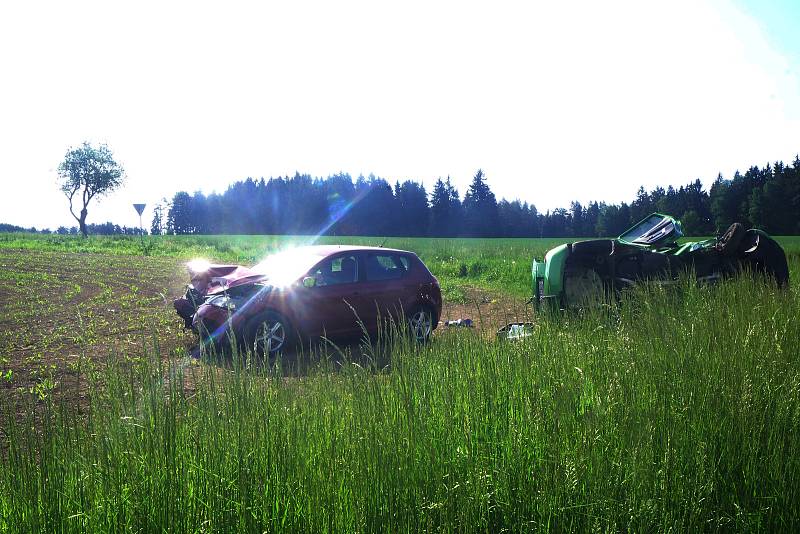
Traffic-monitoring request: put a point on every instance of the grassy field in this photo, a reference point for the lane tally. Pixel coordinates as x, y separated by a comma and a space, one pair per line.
502, 264
677, 409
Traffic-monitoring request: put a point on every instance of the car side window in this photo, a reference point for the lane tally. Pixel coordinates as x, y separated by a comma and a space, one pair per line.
385, 267
339, 270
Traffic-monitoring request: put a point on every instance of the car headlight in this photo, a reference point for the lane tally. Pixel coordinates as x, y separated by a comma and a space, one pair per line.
222, 301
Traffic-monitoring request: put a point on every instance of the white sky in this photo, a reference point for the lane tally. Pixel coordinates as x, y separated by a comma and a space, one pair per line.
556, 101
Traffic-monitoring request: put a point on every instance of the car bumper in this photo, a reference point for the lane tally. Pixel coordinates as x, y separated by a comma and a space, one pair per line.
213, 324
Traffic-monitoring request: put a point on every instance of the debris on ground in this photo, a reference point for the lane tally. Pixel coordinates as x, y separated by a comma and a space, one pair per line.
515, 331
466, 323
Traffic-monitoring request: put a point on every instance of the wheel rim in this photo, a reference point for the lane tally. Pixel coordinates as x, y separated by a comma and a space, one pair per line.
421, 323
270, 337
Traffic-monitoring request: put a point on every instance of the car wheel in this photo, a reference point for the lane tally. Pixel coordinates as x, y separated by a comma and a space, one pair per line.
267, 335
766, 256
583, 287
420, 323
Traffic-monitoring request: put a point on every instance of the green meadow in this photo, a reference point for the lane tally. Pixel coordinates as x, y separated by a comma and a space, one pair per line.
675, 409
501, 264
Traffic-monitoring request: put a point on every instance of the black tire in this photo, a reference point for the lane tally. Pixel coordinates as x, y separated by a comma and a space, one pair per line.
749, 243
766, 256
420, 323
267, 335
728, 244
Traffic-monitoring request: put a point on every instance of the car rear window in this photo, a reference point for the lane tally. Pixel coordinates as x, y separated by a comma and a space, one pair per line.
386, 266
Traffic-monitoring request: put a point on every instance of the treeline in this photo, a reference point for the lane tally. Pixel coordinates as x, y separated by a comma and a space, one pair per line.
766, 198
107, 228
4, 227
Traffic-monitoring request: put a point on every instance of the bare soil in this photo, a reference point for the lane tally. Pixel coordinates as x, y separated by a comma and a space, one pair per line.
62, 313
488, 311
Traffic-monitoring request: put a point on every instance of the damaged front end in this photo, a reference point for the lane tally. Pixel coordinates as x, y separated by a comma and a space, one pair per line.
215, 294
186, 306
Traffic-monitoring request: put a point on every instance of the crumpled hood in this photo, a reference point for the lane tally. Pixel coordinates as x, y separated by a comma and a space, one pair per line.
217, 278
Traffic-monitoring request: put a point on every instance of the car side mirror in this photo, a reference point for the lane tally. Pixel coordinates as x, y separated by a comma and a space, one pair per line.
309, 281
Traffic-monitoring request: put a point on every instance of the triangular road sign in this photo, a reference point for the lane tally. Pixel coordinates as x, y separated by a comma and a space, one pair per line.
139, 208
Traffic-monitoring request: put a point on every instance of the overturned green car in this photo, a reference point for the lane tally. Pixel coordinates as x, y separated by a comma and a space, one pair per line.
575, 273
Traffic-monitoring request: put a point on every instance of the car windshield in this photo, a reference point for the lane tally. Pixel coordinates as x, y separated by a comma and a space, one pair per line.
285, 267
652, 230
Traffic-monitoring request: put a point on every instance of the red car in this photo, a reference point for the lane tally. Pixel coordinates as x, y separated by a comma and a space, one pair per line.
308, 292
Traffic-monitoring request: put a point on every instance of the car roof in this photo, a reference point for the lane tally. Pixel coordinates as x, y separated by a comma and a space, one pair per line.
327, 250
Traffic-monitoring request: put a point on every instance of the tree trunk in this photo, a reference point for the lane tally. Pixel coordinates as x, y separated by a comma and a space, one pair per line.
82, 223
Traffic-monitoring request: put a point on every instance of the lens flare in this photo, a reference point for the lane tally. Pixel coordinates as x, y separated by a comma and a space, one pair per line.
287, 266
340, 208
198, 265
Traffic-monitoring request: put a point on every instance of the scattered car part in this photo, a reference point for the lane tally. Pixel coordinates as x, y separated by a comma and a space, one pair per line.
466, 323
515, 331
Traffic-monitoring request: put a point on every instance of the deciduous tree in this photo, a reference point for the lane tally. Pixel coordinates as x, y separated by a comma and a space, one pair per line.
85, 173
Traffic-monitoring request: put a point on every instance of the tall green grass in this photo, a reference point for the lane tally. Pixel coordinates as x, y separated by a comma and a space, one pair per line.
679, 410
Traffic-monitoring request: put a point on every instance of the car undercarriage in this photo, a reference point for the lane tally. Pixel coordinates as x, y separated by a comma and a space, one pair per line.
574, 273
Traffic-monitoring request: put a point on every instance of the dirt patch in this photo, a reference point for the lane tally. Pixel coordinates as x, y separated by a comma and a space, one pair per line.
488, 311
63, 313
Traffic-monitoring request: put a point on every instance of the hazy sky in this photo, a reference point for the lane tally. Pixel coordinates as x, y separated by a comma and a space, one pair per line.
556, 101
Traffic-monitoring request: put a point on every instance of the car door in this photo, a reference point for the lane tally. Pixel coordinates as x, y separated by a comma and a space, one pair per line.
386, 290
326, 307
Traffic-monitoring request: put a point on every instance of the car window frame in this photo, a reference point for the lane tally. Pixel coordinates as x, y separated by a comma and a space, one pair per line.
334, 257
405, 270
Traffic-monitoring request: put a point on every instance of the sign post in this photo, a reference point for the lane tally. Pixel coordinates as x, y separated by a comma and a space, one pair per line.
139, 209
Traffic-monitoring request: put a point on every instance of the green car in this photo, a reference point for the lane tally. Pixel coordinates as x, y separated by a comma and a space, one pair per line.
574, 273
